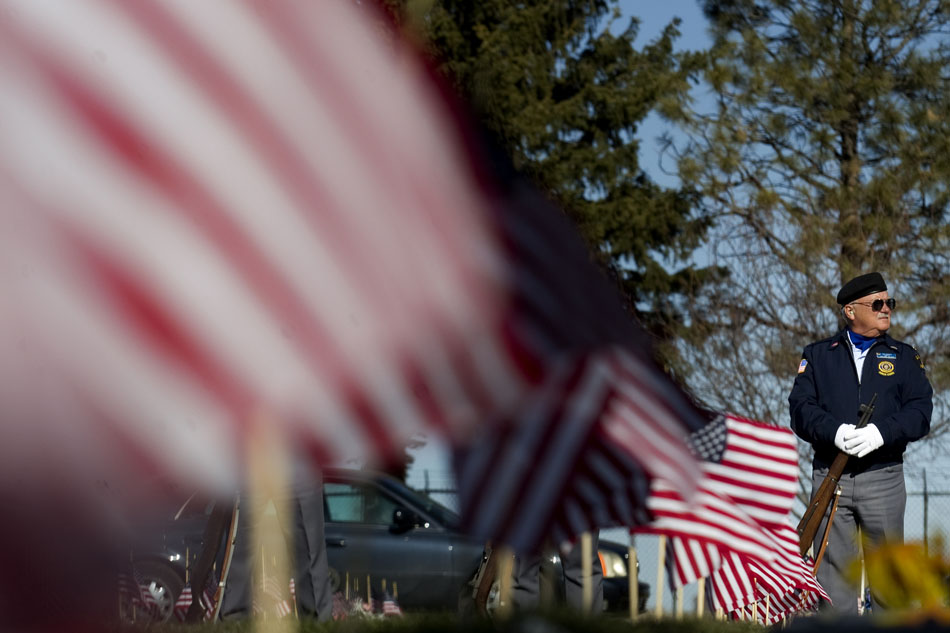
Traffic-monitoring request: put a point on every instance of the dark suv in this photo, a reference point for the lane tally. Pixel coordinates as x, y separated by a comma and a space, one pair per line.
378, 529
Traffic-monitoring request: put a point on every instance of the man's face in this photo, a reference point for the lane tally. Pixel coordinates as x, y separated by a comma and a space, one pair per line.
864, 320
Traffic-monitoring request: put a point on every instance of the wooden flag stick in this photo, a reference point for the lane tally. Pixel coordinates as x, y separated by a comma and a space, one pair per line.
506, 566
587, 563
268, 482
678, 592
864, 578
633, 577
700, 596
660, 568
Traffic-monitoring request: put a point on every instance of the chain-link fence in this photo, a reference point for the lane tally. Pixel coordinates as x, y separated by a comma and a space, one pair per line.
927, 517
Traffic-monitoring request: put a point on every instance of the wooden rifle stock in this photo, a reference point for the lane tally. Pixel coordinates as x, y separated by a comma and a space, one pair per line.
808, 526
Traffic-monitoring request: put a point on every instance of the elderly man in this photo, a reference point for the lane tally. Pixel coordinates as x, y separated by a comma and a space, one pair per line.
835, 377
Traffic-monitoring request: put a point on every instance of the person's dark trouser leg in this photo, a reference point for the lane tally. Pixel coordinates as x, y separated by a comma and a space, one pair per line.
526, 582
880, 498
236, 601
842, 547
311, 570
574, 577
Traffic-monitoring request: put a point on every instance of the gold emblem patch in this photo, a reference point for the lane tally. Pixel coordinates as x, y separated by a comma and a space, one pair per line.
885, 368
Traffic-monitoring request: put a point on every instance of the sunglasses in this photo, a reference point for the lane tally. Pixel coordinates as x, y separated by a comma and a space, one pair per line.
878, 304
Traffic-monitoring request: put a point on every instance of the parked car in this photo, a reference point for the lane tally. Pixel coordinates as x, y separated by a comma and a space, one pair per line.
377, 529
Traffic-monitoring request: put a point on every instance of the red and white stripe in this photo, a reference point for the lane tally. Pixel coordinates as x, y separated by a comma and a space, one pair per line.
214, 243
777, 608
580, 457
730, 493
391, 607
185, 598
741, 538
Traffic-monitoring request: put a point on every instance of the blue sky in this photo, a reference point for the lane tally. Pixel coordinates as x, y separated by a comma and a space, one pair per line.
654, 16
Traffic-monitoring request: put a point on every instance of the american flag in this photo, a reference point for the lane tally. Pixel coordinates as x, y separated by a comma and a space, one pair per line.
390, 606
750, 477
788, 583
274, 591
134, 592
745, 484
777, 608
221, 212
183, 602
580, 457
185, 598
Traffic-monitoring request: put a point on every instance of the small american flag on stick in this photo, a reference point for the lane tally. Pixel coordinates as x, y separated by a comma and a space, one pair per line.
750, 477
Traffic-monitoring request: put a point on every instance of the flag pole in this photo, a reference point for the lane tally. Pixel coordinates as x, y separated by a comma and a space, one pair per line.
587, 563
268, 481
633, 576
864, 578
660, 565
506, 566
700, 596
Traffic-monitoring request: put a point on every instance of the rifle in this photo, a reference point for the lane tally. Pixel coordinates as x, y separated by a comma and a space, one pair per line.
485, 577
808, 526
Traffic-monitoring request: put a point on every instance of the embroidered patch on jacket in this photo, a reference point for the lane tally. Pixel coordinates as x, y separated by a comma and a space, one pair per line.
802, 365
887, 355
885, 368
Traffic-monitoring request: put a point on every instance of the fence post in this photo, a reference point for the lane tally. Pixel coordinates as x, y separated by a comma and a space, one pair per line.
926, 534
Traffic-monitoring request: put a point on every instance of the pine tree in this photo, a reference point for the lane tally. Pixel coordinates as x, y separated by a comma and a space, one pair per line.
561, 86
825, 154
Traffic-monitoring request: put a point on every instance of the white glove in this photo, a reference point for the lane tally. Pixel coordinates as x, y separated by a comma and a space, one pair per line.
860, 442
839, 436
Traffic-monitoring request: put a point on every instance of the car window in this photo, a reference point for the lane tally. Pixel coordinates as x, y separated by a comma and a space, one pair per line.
357, 503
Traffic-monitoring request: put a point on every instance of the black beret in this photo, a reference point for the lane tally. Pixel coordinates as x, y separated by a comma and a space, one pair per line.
861, 286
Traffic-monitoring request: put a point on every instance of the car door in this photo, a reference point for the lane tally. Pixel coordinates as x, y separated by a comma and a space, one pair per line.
364, 546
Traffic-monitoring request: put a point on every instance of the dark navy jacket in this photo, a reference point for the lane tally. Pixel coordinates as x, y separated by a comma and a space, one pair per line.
826, 394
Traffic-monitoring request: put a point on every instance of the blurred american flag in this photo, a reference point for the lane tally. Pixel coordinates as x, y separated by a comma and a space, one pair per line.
210, 210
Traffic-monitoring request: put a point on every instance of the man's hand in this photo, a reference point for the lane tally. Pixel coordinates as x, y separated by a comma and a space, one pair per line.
860, 442
840, 435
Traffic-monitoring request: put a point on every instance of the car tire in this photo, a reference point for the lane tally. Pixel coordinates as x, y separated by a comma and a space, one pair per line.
163, 585
336, 582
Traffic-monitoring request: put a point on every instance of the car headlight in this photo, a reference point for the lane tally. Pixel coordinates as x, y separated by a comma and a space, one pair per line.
613, 564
